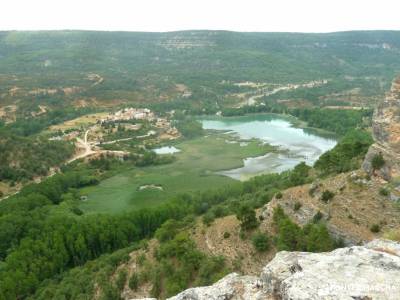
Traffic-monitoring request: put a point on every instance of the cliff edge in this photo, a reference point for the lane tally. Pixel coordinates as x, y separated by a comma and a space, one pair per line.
364, 272
386, 134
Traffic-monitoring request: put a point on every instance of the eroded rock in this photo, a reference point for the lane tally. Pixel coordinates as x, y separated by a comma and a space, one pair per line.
386, 134
371, 271
232, 286
359, 272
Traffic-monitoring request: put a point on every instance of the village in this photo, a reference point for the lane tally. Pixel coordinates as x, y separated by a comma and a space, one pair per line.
103, 133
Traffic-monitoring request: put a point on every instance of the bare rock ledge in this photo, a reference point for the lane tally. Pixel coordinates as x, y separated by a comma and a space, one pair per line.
364, 272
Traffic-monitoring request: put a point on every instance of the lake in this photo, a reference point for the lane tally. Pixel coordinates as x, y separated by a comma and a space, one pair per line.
295, 144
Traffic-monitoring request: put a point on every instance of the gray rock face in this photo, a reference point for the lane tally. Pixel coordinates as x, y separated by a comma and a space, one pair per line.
232, 286
360, 272
365, 272
386, 134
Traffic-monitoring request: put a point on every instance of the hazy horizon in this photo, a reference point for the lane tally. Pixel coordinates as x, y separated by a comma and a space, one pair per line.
183, 30
307, 16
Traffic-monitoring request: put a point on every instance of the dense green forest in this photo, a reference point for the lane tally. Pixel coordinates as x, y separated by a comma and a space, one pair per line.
25, 154
338, 121
36, 245
347, 155
24, 158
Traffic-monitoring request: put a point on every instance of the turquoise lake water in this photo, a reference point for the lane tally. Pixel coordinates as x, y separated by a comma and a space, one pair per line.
296, 144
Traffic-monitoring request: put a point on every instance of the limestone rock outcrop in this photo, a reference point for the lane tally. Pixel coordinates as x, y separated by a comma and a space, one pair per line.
231, 286
365, 272
386, 134
359, 272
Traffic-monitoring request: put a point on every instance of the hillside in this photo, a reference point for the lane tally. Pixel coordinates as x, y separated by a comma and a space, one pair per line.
257, 227
298, 276
223, 247
142, 164
58, 68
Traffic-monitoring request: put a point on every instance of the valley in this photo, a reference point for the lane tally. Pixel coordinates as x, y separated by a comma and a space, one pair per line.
204, 162
136, 164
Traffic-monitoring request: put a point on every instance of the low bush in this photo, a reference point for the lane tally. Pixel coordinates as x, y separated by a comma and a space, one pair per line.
375, 228
383, 192
297, 206
260, 242
377, 161
134, 282
327, 195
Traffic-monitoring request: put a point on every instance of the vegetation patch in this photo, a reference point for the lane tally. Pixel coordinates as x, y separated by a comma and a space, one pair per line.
193, 169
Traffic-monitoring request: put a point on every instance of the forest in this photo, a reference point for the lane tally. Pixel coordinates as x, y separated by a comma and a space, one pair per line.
52, 248
36, 246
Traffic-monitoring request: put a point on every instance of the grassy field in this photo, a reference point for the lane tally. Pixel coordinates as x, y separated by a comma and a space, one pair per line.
192, 171
78, 122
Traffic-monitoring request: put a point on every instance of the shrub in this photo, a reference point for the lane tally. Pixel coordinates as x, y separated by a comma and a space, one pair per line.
346, 155
156, 285
247, 217
317, 238
299, 175
383, 192
167, 231
377, 161
297, 206
134, 282
77, 211
327, 195
290, 236
109, 292
208, 218
141, 259
219, 211
121, 279
318, 217
211, 270
375, 228
278, 195
260, 242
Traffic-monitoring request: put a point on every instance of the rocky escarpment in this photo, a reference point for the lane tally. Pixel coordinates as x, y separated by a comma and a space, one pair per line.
356, 206
371, 271
386, 134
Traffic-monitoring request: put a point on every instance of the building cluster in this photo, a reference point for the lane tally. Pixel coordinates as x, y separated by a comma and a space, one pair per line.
163, 129
168, 132
70, 136
130, 114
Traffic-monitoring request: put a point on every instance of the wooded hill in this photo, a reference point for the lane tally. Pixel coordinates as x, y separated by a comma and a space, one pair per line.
145, 67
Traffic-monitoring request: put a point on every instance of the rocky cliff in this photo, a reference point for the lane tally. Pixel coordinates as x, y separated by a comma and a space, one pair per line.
386, 134
365, 272
357, 205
